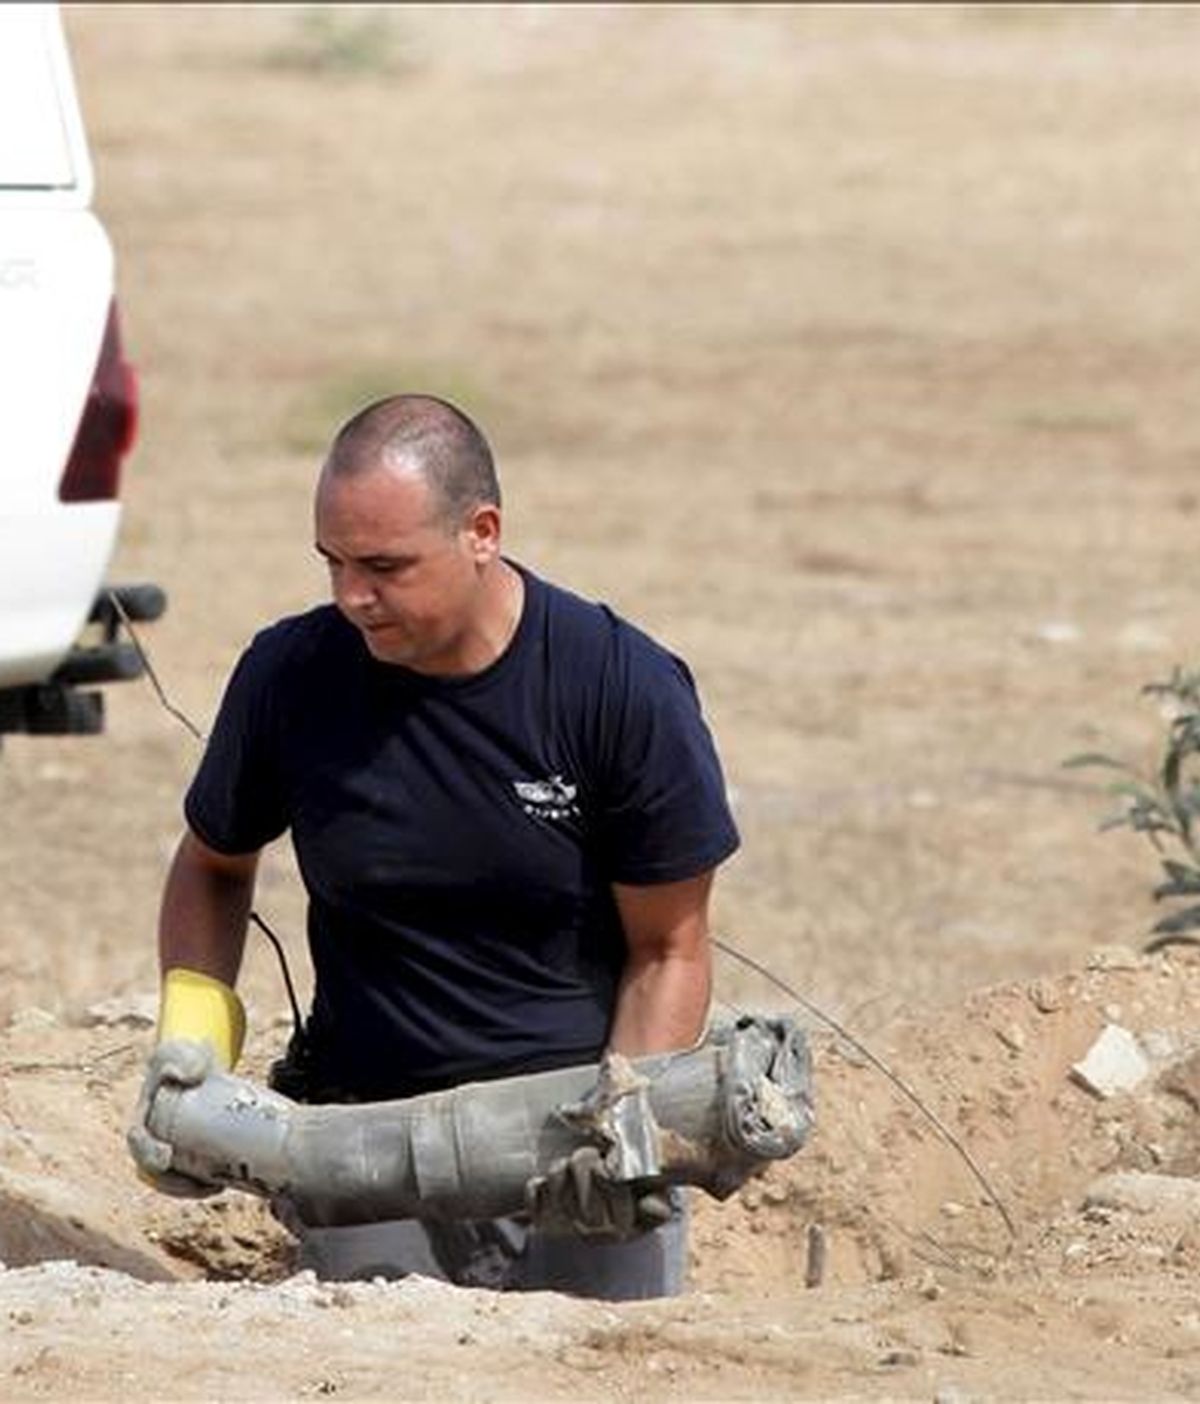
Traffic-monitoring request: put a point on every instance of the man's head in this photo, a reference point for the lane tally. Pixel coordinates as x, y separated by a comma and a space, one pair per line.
425, 435
408, 520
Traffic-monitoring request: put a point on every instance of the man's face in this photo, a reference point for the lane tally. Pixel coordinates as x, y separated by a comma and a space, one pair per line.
407, 581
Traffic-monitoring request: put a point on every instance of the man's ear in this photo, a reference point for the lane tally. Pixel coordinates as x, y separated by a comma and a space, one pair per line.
483, 532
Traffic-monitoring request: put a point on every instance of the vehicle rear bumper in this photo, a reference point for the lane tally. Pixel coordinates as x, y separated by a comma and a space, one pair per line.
54, 564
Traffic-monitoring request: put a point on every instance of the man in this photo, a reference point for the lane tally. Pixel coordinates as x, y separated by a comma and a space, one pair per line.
506, 809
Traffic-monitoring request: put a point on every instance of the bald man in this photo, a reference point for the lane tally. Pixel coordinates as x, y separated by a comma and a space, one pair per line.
507, 811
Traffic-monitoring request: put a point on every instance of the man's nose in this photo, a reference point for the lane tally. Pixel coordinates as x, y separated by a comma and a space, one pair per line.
355, 589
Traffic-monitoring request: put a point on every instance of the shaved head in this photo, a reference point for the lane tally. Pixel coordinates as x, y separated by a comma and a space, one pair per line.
425, 435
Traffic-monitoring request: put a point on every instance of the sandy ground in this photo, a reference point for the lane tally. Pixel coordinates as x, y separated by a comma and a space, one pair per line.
851, 351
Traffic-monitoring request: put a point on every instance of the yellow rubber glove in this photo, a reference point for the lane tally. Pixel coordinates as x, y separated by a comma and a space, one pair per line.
202, 1009
201, 1025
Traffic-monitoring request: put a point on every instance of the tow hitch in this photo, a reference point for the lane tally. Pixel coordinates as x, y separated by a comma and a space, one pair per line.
60, 706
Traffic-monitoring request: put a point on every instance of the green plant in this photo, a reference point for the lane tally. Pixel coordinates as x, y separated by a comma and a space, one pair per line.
330, 39
1165, 805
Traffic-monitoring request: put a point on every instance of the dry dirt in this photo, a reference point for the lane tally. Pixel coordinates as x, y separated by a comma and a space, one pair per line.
852, 351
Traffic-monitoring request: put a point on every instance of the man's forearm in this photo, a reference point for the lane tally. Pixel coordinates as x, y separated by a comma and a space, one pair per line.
662, 1004
662, 1001
205, 906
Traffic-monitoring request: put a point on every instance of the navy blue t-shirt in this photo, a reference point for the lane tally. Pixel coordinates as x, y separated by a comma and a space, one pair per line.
458, 838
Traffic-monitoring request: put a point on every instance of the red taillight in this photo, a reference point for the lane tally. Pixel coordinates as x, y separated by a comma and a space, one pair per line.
107, 427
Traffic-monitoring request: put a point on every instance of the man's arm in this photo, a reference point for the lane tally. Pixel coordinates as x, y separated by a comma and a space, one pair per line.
662, 1001
662, 1005
205, 908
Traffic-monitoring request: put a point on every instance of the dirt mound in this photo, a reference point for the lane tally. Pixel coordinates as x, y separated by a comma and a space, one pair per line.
890, 1195
909, 1257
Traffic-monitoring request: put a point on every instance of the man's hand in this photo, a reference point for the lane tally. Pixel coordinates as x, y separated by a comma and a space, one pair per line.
201, 1025
579, 1195
178, 1062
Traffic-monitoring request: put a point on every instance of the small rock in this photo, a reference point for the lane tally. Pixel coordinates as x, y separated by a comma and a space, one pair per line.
1182, 1079
130, 1011
32, 1018
1186, 1251
1166, 1196
1012, 1036
1114, 1063
893, 1358
950, 1394
1045, 996
953, 1210
1114, 958
958, 1341
1056, 631
1159, 1045
583, 1357
817, 1247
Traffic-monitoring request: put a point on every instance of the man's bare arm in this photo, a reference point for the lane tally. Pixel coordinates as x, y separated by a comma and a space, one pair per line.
662, 1002
205, 906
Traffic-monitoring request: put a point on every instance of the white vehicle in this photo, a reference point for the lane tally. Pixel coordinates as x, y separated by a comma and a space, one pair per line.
68, 400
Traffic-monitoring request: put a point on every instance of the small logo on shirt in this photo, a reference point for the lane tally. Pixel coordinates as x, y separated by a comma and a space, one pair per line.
548, 799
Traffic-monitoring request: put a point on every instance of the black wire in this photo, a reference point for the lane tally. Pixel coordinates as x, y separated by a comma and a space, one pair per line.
181, 717
880, 1066
297, 1016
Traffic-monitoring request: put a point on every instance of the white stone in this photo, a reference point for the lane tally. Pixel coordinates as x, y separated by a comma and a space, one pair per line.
32, 1018
1114, 957
1171, 1197
950, 1394
1159, 1044
1012, 1036
1114, 1063
136, 1011
1057, 631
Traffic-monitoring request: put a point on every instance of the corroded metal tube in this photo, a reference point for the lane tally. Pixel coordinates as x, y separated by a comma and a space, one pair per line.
707, 1117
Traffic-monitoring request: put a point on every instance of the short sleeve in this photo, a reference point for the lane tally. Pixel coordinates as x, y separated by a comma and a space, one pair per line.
664, 811
235, 803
